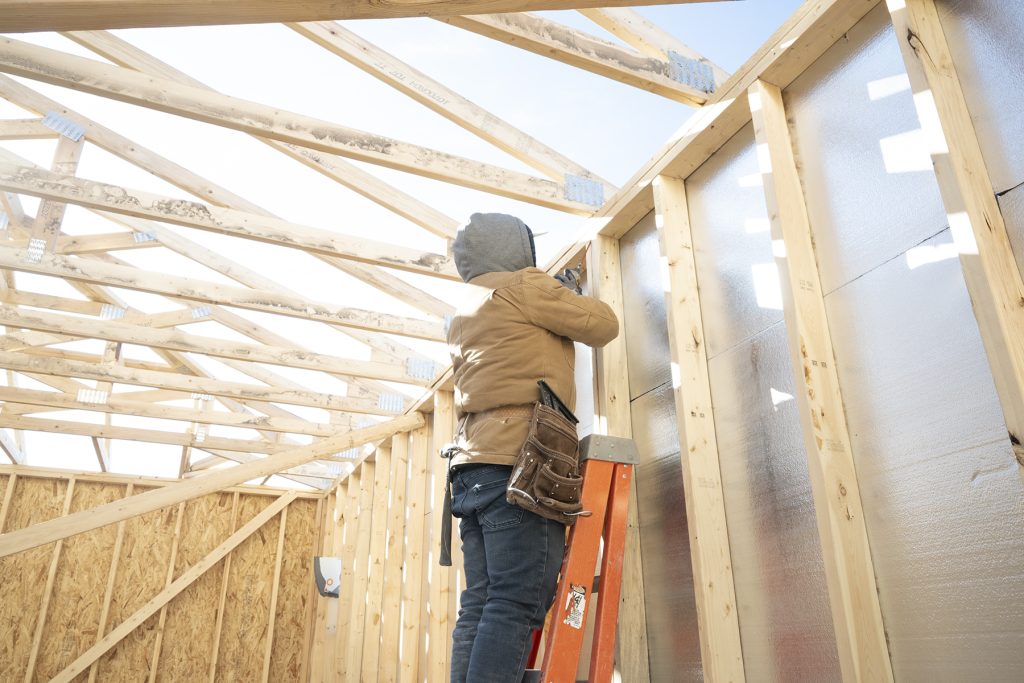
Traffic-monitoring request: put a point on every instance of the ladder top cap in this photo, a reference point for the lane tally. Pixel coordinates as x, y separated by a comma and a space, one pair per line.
609, 448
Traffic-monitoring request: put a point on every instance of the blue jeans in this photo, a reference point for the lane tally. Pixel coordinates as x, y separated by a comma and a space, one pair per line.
512, 558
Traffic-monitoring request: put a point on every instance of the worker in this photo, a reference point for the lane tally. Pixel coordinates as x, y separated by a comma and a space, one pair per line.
517, 327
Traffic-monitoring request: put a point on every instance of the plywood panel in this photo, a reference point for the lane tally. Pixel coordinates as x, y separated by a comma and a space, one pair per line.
191, 616
141, 575
295, 592
24, 574
79, 585
243, 636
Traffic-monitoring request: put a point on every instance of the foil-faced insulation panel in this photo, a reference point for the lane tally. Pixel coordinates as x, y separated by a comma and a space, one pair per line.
941, 492
985, 38
859, 145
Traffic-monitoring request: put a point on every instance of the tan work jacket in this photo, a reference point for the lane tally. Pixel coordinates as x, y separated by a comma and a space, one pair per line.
519, 328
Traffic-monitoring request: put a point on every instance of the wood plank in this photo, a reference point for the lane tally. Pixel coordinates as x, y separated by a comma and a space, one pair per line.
44, 606
436, 96
440, 630
613, 417
130, 333
167, 380
115, 405
646, 37
849, 572
135, 434
276, 585
360, 578
976, 222
215, 293
412, 590
391, 600
162, 619
34, 472
5, 507
25, 129
167, 594
378, 547
710, 555
562, 43
221, 605
124, 54
346, 532
79, 522
104, 196
58, 68
50, 215
53, 15
10, 447
115, 558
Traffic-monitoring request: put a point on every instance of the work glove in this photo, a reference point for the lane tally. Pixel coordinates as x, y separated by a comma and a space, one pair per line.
570, 278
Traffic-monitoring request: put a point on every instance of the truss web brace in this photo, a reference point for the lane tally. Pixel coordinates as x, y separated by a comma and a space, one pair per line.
691, 72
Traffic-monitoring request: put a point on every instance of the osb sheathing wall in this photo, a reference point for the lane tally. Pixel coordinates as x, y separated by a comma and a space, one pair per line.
189, 634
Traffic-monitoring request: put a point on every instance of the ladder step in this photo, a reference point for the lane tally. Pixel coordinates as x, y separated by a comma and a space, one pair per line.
533, 676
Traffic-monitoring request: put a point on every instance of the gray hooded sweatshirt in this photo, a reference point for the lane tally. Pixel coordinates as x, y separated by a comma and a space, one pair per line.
493, 243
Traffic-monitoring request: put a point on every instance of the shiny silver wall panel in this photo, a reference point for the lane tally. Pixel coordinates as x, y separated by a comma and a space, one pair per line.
644, 303
781, 594
986, 38
857, 138
941, 492
1011, 205
736, 271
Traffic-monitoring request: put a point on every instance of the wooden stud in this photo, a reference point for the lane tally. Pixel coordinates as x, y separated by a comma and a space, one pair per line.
378, 547
12, 482
318, 654
313, 608
360, 578
856, 615
556, 41
345, 537
710, 555
162, 620
391, 600
613, 417
976, 222
79, 522
115, 558
412, 591
51, 66
181, 583
44, 606
279, 558
439, 654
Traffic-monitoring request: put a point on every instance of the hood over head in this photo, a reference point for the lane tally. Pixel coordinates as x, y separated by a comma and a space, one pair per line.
493, 242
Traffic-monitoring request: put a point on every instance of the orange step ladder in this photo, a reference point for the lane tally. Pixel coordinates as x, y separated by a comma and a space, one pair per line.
607, 465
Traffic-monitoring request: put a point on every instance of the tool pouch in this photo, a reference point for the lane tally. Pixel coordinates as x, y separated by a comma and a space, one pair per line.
545, 478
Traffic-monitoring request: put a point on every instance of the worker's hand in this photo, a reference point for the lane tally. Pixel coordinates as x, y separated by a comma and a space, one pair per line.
570, 278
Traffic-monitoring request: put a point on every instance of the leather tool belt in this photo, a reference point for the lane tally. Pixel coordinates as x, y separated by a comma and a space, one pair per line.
545, 478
